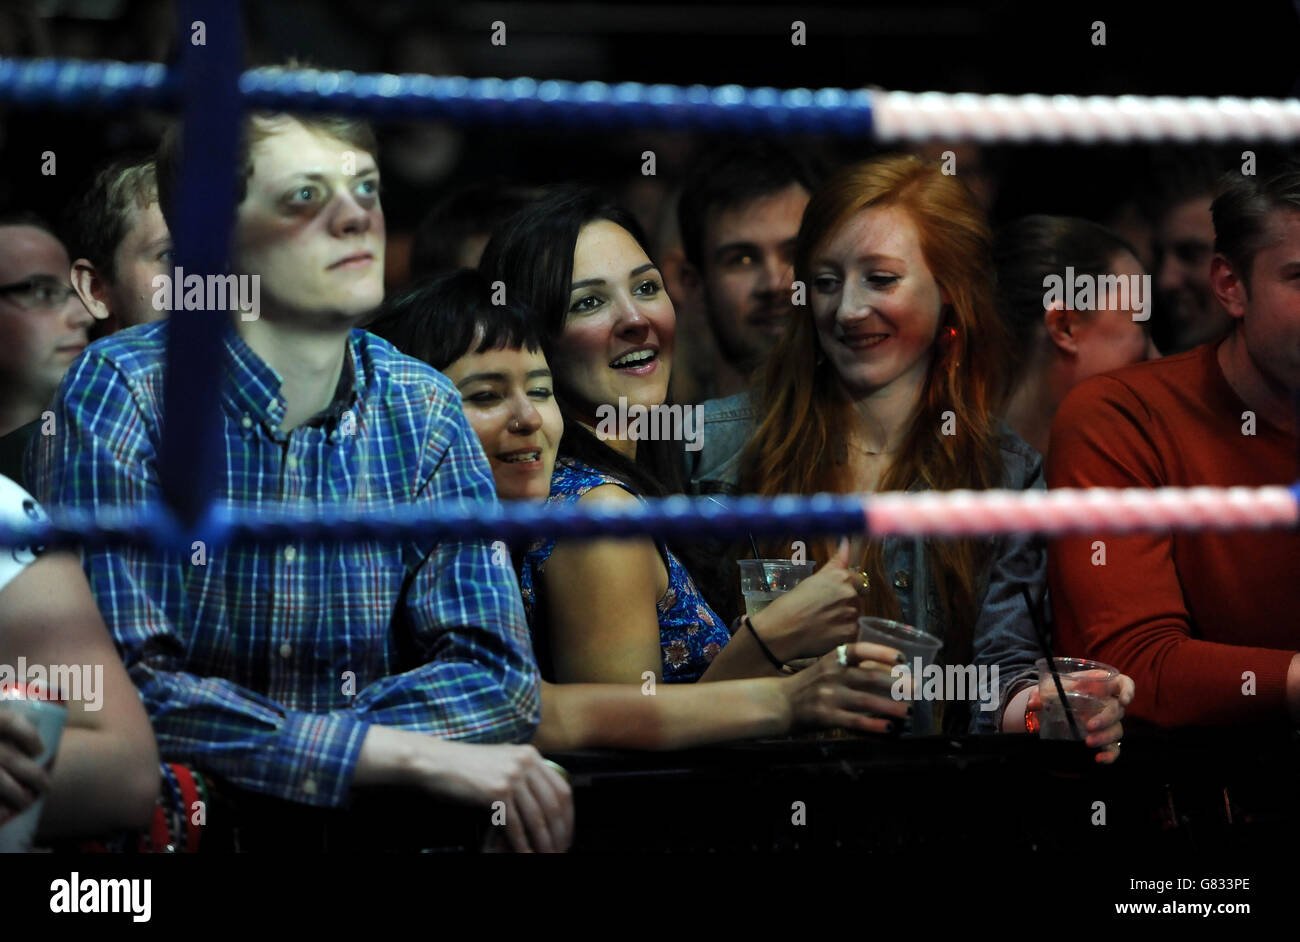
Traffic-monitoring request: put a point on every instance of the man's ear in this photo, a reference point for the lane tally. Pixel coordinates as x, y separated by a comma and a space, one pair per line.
1227, 287
1062, 328
90, 286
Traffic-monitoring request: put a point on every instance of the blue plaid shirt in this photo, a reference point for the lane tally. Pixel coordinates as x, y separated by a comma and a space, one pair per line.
267, 665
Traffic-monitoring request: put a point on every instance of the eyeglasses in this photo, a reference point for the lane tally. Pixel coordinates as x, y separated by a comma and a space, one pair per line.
38, 291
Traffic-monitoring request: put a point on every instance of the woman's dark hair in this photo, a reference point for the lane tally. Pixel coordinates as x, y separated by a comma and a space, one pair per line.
1026, 251
532, 255
438, 320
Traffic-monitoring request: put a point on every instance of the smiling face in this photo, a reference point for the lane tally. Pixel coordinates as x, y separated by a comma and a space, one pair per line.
314, 233
509, 401
37, 343
618, 333
876, 305
1184, 241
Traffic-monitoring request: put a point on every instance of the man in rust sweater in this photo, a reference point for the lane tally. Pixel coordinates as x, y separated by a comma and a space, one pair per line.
1206, 623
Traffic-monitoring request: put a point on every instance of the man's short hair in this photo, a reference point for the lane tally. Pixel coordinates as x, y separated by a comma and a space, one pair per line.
1241, 212
25, 217
349, 130
731, 177
1175, 175
464, 212
99, 220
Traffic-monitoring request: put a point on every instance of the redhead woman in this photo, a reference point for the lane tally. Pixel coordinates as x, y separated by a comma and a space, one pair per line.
889, 381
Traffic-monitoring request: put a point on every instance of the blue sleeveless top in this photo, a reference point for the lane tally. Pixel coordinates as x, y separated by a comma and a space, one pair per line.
690, 633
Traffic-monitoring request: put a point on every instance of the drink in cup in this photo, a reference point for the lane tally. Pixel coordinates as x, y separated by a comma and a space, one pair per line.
1052, 721
914, 644
17, 831
1087, 687
763, 581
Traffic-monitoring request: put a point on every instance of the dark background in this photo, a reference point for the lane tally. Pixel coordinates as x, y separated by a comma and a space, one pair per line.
1246, 49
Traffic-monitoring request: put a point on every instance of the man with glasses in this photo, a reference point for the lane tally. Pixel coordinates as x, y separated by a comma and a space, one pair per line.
42, 330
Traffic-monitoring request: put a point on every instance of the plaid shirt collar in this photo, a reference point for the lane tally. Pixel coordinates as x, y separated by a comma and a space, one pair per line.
252, 394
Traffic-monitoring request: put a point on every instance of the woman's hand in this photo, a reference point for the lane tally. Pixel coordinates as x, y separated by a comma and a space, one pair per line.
22, 781
1104, 731
815, 616
853, 693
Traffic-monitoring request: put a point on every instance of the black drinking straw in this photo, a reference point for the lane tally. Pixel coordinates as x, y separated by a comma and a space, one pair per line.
762, 576
1036, 614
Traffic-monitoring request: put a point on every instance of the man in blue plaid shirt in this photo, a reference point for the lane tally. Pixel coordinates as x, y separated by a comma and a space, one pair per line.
295, 671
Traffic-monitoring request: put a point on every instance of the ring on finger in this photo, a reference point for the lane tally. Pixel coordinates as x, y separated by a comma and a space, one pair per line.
558, 769
842, 655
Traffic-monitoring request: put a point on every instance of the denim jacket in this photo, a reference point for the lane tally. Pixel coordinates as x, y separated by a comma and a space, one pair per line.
1004, 634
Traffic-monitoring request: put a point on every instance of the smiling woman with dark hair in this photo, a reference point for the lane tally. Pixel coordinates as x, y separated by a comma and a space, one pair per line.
611, 609
493, 354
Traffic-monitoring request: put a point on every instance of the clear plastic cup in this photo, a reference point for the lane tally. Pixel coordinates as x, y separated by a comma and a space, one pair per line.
763, 581
17, 832
1087, 687
1052, 721
913, 643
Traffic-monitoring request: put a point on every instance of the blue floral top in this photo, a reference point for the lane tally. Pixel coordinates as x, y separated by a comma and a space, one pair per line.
690, 633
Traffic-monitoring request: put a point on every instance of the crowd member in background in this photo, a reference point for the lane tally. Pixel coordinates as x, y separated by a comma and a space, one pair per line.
1188, 312
889, 381
119, 244
1055, 346
609, 610
493, 353
304, 674
974, 164
453, 233
1205, 621
697, 350
105, 773
739, 213
42, 330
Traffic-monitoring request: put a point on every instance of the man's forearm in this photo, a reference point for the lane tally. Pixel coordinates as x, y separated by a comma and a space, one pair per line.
387, 758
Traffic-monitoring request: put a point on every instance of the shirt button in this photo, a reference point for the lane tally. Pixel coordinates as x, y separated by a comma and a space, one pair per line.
902, 579
290, 554
309, 786
286, 650
246, 422
291, 462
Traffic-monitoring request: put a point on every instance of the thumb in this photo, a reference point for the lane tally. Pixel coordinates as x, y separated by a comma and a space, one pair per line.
841, 557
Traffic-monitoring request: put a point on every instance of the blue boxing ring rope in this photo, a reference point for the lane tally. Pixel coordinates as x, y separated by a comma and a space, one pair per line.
212, 96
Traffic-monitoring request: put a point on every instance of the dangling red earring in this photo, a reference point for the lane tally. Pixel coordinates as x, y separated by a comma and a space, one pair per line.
949, 339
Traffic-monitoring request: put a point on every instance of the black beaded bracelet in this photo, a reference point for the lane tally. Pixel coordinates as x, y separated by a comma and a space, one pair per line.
767, 652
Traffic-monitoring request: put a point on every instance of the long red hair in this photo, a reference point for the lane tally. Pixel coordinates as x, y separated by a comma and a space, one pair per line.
798, 447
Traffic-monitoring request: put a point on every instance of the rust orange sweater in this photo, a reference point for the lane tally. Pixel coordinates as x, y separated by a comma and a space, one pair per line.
1186, 615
